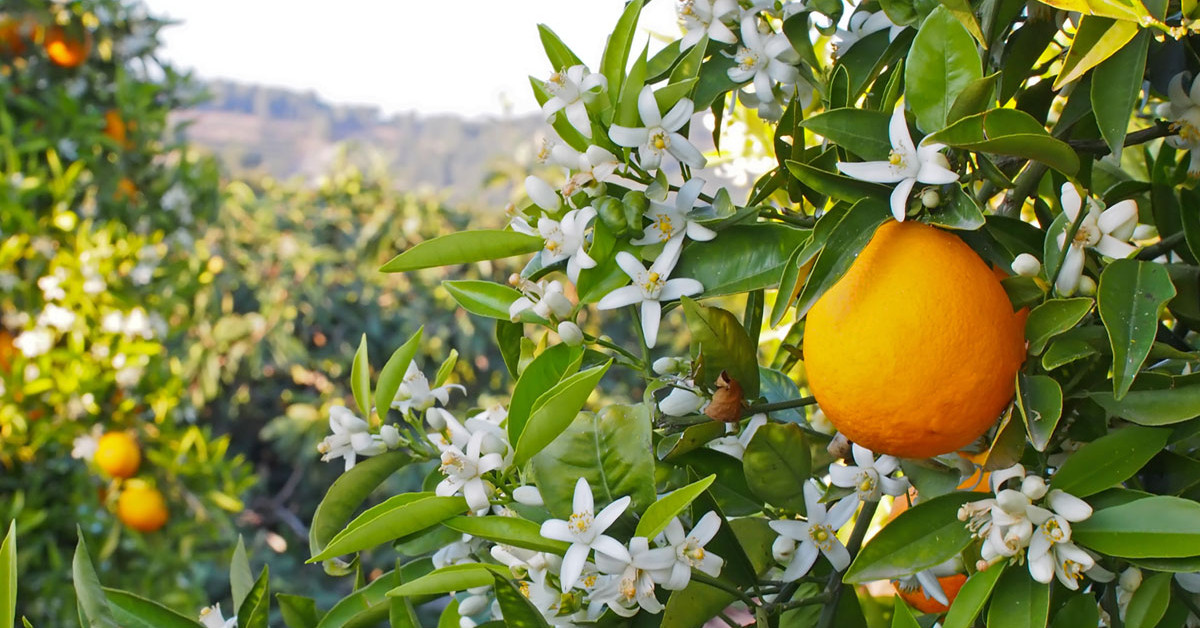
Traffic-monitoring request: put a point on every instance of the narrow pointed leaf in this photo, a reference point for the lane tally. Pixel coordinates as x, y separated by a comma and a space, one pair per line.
132, 611
463, 247
94, 611
1109, 460
393, 373
241, 580
1130, 295
360, 379
661, 512
554, 412
1040, 399
347, 494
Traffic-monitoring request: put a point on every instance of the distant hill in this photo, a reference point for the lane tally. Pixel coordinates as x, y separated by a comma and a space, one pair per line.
284, 134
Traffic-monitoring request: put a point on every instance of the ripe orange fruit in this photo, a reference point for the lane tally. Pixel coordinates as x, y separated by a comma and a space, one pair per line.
126, 190
918, 600
114, 126
12, 39
6, 351
65, 49
118, 455
142, 508
914, 352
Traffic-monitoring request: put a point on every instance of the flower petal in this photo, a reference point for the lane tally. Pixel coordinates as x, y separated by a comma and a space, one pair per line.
706, 528
629, 137
578, 117
557, 530
572, 565
899, 199
651, 315
675, 288
1109, 246
628, 295
806, 555
1071, 201
838, 556
631, 265
679, 115
542, 195
1070, 272
647, 107
841, 512
872, 171
1119, 220
684, 151
611, 547
898, 126
609, 514
699, 232
688, 194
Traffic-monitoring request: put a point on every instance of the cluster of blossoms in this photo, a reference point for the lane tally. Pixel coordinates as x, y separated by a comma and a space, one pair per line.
1014, 527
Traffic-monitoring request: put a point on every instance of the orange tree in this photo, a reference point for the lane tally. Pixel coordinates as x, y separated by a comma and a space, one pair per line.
98, 276
914, 146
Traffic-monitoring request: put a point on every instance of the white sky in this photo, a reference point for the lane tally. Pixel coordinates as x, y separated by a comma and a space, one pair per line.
466, 56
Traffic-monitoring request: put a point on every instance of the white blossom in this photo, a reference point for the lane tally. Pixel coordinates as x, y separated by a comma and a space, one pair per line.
1183, 110
570, 91
585, 532
565, 239
464, 471
862, 24
816, 535
210, 617
735, 444
650, 286
351, 438
34, 342
1107, 231
671, 221
870, 478
660, 134
689, 552
703, 17
415, 393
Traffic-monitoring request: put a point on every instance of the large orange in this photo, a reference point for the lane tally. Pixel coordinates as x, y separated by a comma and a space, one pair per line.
13, 32
118, 455
65, 49
918, 600
114, 126
914, 352
142, 508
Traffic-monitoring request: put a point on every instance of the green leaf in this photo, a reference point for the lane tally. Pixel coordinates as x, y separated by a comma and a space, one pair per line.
1152, 407
1096, 39
1155, 527
612, 450
941, 63
777, 462
554, 411
607, 275
1116, 85
627, 112
694, 605
960, 212
902, 616
541, 375
743, 259
366, 605
661, 512
518, 610
450, 617
397, 517
347, 493
921, 537
1130, 295
845, 242
1080, 610
446, 369
507, 530
1009, 132
450, 578
255, 610
360, 379
298, 611
8, 577
89, 595
835, 185
482, 298
1053, 318
393, 373
462, 247
241, 580
557, 52
1019, 601
776, 387
1040, 399
1149, 602
508, 341
132, 611
616, 51
1109, 460
723, 346
971, 597
978, 96
861, 131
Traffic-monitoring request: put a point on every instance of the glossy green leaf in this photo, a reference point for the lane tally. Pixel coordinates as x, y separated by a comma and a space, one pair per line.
723, 346
298, 611
611, 449
446, 369
1019, 601
482, 298
861, 131
777, 387
742, 259
1096, 39
1149, 602
1155, 527
557, 52
360, 379
1109, 460
8, 577
1130, 295
835, 185
626, 110
667, 507
518, 610
688, 65
842, 247
777, 463
367, 604
1116, 85
902, 615
959, 211
1009, 132
694, 605
921, 537
978, 96
255, 610
941, 63
241, 579
94, 611
395, 518
512, 531
450, 578
689, 440
394, 371
1080, 610
616, 51
347, 493
971, 597
450, 617
462, 247
1040, 399
554, 411
607, 275
1153, 407
1052, 318
132, 611
541, 375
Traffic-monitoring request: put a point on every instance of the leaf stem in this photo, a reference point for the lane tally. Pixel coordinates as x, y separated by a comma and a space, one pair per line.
1160, 247
780, 405
717, 583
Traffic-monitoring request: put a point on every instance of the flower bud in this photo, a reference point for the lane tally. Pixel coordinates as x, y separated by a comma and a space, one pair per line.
636, 205
472, 605
1068, 506
783, 549
1144, 232
1033, 486
930, 198
570, 333
612, 214
528, 495
1026, 265
667, 366
557, 303
542, 194
818, 421
1130, 579
1087, 286
681, 402
390, 435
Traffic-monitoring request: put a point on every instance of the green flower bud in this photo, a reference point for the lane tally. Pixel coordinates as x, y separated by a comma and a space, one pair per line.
612, 214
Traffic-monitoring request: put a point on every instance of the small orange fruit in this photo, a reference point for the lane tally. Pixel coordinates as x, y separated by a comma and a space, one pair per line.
914, 352
6, 351
918, 600
65, 49
114, 126
126, 190
118, 455
12, 39
142, 508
